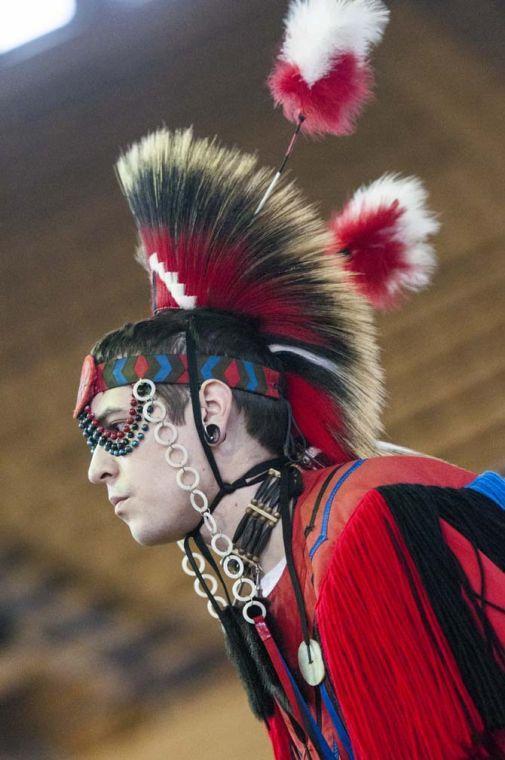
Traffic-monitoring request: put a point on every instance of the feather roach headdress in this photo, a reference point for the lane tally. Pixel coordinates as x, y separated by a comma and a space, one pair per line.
203, 245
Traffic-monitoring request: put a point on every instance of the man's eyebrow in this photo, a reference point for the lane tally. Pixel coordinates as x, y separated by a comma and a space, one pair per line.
108, 410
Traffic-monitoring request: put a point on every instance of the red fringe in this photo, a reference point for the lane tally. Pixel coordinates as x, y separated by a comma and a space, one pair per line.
394, 673
279, 736
332, 104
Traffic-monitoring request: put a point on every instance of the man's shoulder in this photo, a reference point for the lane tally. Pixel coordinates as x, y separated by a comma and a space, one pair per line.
360, 475
334, 493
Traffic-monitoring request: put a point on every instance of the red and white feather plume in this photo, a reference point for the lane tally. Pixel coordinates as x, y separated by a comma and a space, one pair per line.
383, 231
322, 72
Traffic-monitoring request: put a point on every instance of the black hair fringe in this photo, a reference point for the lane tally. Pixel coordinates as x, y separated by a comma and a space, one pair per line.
480, 655
247, 653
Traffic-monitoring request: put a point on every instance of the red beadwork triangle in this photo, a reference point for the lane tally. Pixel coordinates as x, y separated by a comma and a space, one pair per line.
141, 366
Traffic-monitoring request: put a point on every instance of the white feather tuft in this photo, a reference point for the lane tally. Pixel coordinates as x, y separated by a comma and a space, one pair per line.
319, 361
416, 223
317, 31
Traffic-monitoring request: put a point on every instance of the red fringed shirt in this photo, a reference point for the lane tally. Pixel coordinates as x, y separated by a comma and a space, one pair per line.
395, 678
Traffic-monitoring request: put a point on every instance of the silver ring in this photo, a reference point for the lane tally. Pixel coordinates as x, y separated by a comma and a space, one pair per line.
227, 540
199, 561
220, 601
154, 404
236, 590
204, 502
148, 396
198, 588
253, 603
180, 475
168, 426
230, 573
184, 455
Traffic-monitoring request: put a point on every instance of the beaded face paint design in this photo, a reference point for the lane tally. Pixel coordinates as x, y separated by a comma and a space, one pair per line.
121, 442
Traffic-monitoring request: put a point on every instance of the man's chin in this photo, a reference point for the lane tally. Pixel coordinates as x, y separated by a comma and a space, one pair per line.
155, 538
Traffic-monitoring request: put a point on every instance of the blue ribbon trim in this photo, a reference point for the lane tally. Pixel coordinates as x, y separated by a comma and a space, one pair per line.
327, 753
490, 484
337, 723
323, 536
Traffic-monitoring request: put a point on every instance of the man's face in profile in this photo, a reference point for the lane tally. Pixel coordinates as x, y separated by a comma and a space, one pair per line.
151, 503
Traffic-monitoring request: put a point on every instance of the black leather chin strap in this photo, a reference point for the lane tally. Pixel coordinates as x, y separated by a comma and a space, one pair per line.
290, 487
194, 389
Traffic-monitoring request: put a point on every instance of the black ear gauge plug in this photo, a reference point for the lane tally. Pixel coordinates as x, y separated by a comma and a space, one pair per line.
212, 434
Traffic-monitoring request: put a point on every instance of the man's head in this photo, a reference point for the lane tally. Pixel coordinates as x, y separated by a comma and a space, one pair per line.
264, 289
250, 427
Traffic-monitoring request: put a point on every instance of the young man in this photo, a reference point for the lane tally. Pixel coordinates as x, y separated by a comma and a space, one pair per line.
361, 594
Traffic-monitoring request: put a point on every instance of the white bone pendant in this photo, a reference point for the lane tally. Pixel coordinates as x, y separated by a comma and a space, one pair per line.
313, 672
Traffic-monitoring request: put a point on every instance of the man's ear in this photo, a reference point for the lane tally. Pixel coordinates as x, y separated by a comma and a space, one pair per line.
216, 401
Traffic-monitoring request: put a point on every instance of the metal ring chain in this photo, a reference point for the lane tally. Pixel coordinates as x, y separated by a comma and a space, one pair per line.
177, 457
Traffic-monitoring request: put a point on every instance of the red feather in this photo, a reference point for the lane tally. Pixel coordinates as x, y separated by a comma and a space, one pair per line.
315, 416
383, 233
373, 250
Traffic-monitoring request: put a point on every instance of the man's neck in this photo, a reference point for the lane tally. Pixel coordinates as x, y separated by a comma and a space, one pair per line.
228, 514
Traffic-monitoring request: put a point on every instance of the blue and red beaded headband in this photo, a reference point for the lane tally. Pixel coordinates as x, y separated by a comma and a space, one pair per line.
173, 369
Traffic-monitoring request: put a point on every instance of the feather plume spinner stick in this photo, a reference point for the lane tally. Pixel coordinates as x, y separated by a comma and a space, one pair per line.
322, 77
279, 171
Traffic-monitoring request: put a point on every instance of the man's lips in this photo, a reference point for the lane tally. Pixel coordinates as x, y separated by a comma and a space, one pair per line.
115, 500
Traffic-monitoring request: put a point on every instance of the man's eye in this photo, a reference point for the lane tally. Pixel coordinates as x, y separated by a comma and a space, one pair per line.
116, 426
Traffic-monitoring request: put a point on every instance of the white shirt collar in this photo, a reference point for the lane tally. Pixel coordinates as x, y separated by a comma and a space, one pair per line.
270, 579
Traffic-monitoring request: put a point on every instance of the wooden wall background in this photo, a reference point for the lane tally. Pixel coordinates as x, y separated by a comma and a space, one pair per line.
94, 629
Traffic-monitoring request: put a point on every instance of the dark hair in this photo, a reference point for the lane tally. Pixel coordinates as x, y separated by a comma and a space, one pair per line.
218, 332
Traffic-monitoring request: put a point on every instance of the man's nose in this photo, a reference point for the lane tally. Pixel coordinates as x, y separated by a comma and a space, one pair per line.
103, 466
